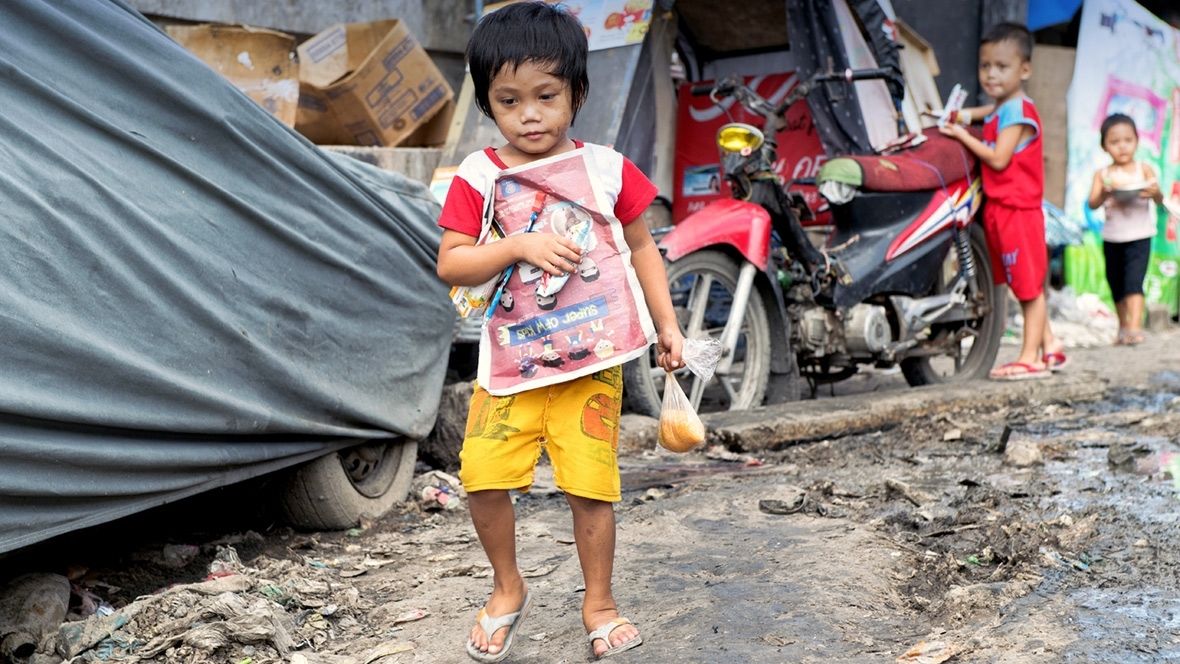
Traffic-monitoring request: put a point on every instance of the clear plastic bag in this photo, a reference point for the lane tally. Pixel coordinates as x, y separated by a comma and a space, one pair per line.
681, 429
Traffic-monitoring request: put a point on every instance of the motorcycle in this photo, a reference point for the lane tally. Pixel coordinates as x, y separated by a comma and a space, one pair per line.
899, 279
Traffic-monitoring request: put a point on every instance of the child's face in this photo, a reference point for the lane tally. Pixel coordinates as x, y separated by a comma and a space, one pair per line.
1002, 69
1120, 143
532, 109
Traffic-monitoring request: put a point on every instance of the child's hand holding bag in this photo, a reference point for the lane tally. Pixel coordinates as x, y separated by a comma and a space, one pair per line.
681, 428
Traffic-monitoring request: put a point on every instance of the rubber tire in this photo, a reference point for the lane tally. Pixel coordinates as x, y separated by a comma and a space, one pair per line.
641, 395
917, 370
320, 496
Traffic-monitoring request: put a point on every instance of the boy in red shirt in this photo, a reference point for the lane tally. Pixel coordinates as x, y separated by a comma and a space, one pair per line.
1013, 182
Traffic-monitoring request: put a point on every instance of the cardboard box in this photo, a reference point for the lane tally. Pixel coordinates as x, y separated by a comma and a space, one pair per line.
256, 61
370, 84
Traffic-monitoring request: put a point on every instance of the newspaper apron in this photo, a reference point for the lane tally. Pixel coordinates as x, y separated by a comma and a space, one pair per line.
545, 330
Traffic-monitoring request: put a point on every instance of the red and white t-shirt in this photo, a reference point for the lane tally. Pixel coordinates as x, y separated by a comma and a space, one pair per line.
546, 330
463, 209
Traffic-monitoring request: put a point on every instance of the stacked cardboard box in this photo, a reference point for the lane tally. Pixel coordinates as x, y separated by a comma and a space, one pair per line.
353, 84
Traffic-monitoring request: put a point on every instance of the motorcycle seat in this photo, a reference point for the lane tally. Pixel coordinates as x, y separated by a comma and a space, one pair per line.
935, 163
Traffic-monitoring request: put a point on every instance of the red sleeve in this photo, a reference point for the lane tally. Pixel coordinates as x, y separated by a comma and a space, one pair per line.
636, 193
463, 209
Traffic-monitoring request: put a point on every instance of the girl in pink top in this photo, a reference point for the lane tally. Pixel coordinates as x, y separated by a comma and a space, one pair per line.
1128, 191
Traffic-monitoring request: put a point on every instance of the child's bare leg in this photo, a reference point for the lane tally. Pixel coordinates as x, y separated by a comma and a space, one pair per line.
1049, 341
1120, 308
1036, 322
495, 523
594, 533
1133, 308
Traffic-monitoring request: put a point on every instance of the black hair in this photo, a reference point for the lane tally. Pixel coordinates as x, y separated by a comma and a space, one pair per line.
1115, 119
1011, 32
528, 32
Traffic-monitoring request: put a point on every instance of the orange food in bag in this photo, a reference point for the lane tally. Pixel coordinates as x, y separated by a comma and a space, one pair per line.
681, 430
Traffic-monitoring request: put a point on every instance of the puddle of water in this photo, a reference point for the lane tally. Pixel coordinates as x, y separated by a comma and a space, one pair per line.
1116, 626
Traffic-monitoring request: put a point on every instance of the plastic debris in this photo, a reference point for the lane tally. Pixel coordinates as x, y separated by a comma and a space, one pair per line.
437, 490
32, 607
929, 652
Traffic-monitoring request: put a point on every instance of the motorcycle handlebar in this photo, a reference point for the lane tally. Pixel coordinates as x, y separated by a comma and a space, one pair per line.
727, 87
849, 75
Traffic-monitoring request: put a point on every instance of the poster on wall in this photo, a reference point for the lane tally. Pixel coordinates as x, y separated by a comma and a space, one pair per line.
698, 169
608, 23
1128, 61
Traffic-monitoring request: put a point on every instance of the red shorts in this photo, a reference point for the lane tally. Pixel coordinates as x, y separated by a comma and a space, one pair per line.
1016, 242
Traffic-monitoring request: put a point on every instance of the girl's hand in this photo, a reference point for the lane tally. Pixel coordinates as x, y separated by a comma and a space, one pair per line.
550, 252
670, 349
1152, 191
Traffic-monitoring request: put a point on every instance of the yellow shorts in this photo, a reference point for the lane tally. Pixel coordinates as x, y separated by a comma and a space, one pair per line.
577, 422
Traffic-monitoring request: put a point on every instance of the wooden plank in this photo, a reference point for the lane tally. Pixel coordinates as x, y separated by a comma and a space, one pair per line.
1052, 71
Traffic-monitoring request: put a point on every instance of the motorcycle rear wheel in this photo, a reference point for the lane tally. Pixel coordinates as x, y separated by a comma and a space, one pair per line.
978, 353
746, 382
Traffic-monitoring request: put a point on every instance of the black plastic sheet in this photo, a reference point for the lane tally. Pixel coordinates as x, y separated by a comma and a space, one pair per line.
190, 292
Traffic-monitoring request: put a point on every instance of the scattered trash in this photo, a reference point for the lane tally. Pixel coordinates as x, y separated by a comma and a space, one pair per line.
952, 434
914, 496
1132, 457
437, 490
793, 500
386, 650
1023, 452
540, 636
776, 640
32, 607
653, 494
932, 652
410, 616
720, 453
179, 555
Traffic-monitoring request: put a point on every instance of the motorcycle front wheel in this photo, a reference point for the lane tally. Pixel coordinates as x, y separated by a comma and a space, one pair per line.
972, 355
703, 284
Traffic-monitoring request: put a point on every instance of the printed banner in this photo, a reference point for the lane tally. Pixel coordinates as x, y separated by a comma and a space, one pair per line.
608, 23
545, 329
1128, 61
698, 175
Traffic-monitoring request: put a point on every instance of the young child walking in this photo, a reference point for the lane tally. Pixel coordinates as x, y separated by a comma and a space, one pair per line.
1126, 190
528, 66
1013, 182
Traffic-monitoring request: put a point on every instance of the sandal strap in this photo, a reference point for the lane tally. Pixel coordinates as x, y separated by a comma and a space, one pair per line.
603, 632
491, 625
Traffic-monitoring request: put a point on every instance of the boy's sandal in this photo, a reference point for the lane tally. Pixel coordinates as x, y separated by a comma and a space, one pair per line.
603, 634
1134, 338
1019, 371
1055, 361
491, 625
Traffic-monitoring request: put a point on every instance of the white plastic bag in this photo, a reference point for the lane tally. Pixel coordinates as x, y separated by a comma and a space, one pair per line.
681, 428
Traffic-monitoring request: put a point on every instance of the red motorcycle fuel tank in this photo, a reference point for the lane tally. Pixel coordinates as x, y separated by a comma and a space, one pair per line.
741, 225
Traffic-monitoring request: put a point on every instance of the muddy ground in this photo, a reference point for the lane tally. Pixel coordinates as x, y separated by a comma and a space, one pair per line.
1040, 533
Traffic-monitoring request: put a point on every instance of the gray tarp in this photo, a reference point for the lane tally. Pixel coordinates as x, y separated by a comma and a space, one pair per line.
190, 293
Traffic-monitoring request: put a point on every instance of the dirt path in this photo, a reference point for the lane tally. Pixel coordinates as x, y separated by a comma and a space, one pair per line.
845, 550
